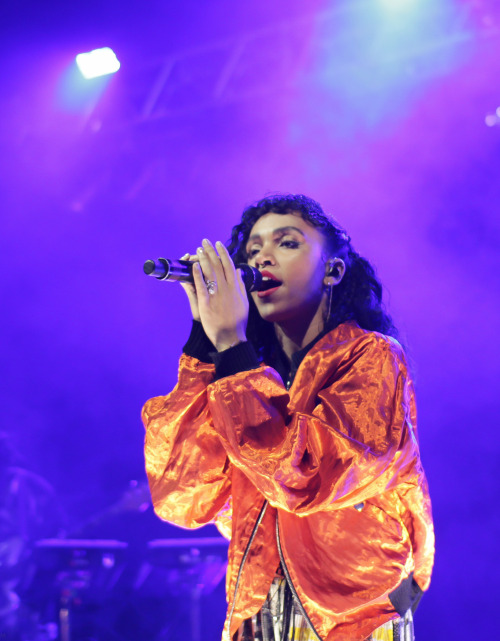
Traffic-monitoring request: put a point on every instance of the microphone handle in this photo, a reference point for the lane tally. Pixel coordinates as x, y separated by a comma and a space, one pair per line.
167, 269
182, 271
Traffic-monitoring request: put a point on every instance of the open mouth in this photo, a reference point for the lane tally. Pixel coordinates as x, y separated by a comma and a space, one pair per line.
269, 283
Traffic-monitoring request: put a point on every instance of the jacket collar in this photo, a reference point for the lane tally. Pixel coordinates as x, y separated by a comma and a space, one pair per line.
288, 369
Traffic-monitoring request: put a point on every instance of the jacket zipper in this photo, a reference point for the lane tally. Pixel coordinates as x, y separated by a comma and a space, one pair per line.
289, 580
244, 558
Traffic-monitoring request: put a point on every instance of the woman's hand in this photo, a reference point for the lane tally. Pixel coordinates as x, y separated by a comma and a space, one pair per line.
221, 296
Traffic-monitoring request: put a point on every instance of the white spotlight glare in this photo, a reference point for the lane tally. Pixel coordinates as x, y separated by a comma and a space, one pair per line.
396, 4
99, 62
492, 120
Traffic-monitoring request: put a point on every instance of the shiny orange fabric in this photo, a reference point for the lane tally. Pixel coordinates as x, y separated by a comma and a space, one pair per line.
344, 435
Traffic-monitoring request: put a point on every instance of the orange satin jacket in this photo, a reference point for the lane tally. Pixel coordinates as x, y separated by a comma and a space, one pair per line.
325, 478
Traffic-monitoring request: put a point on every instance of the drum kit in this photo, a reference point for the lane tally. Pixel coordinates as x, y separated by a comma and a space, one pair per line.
76, 586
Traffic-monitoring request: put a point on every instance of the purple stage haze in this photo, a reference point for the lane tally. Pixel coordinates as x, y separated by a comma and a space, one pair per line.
375, 110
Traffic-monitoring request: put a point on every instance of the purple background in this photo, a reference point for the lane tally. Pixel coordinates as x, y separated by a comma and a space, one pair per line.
376, 109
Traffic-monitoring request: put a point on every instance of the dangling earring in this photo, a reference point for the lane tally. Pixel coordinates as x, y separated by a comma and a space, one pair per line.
330, 290
330, 300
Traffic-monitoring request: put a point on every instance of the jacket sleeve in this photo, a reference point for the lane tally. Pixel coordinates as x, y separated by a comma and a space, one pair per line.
354, 439
186, 464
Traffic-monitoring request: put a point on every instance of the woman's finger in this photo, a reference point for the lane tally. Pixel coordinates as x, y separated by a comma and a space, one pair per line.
191, 257
190, 290
213, 257
207, 267
226, 262
199, 283
241, 284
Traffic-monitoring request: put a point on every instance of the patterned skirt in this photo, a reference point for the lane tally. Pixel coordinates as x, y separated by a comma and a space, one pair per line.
281, 618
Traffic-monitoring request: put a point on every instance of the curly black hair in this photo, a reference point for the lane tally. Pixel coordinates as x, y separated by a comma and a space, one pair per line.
357, 297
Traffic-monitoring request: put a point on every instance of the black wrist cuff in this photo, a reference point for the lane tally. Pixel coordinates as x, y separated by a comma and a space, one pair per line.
240, 358
198, 344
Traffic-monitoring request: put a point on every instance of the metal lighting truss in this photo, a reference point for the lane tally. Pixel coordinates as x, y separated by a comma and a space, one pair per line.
277, 58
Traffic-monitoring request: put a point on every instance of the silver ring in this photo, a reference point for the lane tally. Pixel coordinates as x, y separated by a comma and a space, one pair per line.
211, 286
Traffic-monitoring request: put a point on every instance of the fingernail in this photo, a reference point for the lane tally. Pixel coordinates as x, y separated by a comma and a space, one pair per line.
205, 242
219, 244
200, 250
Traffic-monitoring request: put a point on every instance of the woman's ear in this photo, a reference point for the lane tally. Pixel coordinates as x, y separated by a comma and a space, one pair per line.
334, 271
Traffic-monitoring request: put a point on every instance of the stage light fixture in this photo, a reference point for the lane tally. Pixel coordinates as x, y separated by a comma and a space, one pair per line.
99, 62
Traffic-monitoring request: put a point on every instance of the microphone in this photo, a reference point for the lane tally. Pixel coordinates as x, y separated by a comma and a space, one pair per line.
182, 270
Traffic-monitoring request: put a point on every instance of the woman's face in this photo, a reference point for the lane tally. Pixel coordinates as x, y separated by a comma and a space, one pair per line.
288, 249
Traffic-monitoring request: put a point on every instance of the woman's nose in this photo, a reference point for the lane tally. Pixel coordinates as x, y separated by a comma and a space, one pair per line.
264, 258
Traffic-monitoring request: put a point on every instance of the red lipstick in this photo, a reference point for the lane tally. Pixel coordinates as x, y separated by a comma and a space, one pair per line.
271, 284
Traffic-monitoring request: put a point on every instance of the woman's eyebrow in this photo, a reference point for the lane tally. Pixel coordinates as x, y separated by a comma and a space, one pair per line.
280, 231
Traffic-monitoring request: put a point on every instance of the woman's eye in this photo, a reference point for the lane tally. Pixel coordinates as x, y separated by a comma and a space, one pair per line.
292, 244
252, 252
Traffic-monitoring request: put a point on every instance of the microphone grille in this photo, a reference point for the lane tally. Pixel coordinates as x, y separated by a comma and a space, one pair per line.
149, 267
